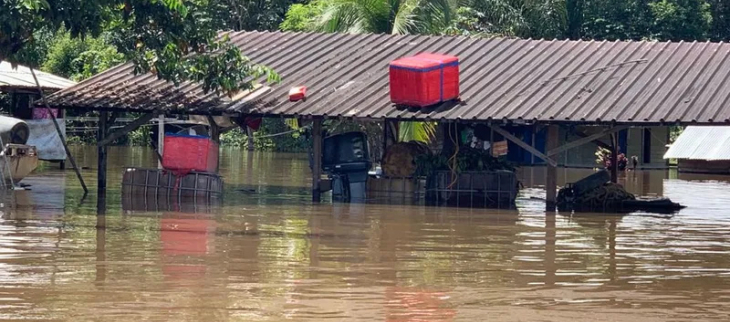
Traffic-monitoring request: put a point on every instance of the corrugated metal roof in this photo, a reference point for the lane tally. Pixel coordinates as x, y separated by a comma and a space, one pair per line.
701, 143
501, 79
21, 78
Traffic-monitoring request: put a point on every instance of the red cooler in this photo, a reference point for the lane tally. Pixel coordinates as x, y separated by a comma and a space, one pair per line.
185, 153
424, 79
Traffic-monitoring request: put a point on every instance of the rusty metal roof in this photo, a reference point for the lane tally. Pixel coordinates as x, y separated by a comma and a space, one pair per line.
19, 77
701, 143
501, 79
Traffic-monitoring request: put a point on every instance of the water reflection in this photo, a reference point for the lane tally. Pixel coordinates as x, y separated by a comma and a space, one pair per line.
267, 254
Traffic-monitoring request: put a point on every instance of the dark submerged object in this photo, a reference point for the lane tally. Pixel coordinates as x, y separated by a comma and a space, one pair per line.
475, 189
595, 194
156, 182
661, 205
346, 160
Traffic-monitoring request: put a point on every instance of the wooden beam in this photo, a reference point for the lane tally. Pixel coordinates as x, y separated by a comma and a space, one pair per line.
390, 134
551, 178
101, 163
160, 139
316, 159
614, 158
596, 142
524, 145
585, 140
249, 139
60, 134
215, 131
126, 129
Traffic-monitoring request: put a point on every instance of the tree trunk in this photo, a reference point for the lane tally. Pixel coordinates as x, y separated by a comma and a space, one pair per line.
575, 18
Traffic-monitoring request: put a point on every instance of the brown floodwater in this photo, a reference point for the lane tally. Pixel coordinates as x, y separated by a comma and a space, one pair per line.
265, 253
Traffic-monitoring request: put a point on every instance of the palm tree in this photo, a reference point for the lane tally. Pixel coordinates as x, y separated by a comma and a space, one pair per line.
520, 18
394, 17
386, 16
523, 18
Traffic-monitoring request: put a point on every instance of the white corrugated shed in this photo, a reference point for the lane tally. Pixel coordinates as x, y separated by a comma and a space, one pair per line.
711, 143
21, 78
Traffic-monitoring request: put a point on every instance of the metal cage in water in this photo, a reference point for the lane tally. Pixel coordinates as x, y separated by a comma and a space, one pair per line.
162, 183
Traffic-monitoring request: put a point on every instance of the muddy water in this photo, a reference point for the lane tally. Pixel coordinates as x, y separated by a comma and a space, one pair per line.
266, 254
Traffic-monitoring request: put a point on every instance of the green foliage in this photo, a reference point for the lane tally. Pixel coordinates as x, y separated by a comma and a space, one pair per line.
138, 137
157, 35
720, 11
79, 59
468, 22
417, 131
288, 142
681, 19
251, 15
575, 19
379, 16
675, 132
302, 17
76, 140
522, 18
651, 19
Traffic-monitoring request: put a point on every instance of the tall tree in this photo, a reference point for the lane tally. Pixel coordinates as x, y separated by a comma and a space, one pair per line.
384, 16
647, 19
720, 10
252, 14
681, 19
574, 10
157, 35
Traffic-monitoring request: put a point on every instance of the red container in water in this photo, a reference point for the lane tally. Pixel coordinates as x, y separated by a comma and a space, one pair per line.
423, 80
185, 153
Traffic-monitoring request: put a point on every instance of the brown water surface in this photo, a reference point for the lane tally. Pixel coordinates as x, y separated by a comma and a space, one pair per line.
267, 254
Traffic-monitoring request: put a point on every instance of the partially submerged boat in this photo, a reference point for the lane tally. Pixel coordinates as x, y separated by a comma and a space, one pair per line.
17, 160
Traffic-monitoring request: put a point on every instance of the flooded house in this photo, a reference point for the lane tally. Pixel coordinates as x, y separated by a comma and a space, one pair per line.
550, 103
29, 133
275, 256
702, 149
20, 86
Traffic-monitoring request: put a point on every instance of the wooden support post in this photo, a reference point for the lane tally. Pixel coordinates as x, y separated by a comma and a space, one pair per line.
160, 138
249, 138
215, 135
390, 134
532, 156
101, 161
551, 181
394, 131
101, 264
316, 159
386, 133
60, 134
215, 131
549, 256
614, 158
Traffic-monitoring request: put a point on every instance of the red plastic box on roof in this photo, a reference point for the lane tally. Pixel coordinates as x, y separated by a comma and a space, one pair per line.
424, 79
185, 153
